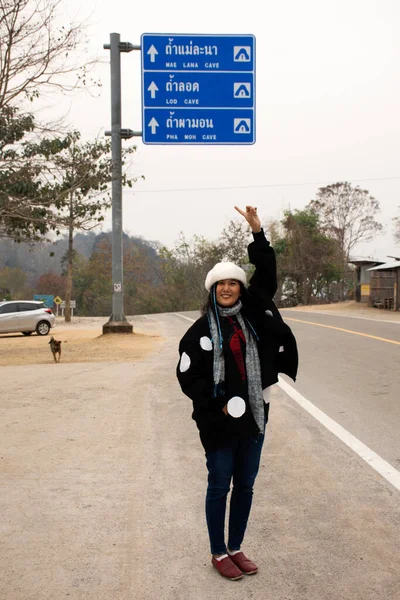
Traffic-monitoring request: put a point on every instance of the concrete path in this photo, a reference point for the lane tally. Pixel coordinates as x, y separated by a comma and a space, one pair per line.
102, 496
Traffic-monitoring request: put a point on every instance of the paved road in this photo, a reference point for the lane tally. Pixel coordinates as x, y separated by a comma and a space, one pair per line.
355, 379
104, 480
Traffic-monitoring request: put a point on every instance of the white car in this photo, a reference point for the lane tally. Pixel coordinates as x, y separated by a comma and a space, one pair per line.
26, 316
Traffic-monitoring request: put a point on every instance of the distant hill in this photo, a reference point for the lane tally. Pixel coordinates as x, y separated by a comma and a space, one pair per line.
44, 257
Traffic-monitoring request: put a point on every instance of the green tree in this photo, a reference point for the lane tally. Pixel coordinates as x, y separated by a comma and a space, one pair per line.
80, 282
14, 280
308, 257
81, 192
143, 292
92, 283
26, 197
183, 270
96, 297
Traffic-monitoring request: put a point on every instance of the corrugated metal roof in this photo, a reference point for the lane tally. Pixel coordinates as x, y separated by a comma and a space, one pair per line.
395, 264
365, 261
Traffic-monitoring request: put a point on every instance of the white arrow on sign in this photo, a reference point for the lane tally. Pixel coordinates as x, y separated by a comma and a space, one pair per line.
153, 124
153, 52
153, 89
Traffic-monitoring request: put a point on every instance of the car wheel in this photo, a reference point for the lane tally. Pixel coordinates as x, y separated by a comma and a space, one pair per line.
42, 328
27, 332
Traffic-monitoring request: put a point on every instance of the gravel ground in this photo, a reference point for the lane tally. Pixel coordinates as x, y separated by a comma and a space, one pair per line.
82, 341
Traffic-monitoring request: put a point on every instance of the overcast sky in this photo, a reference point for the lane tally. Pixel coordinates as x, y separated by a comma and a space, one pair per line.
328, 98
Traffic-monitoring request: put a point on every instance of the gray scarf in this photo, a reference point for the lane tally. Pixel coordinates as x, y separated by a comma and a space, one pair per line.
253, 369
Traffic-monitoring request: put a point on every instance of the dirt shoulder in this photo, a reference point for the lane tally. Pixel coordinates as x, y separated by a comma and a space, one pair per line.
82, 341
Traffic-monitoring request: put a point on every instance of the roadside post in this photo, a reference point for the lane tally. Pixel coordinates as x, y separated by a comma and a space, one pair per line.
197, 89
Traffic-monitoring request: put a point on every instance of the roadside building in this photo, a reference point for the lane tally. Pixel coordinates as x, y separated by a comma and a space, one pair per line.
362, 277
385, 285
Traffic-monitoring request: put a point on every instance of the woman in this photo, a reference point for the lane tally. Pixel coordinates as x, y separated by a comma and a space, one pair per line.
229, 358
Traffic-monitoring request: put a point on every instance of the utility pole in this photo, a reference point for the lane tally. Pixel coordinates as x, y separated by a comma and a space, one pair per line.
117, 322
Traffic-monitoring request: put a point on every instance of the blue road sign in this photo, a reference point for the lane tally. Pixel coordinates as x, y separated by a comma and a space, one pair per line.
234, 90
45, 298
199, 126
163, 52
198, 89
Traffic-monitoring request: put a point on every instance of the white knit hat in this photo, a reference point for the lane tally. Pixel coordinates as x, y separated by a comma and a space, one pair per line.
224, 270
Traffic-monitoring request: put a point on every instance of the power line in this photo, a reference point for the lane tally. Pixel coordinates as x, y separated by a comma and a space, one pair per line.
248, 187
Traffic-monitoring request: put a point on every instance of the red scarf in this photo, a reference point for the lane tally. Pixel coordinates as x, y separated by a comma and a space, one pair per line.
235, 344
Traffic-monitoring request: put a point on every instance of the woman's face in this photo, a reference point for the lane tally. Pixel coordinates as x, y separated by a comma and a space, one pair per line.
227, 292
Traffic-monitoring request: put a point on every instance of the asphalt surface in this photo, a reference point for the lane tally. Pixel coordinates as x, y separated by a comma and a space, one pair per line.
355, 379
104, 480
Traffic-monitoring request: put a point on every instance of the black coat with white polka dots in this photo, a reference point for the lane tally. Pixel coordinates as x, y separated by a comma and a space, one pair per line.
276, 348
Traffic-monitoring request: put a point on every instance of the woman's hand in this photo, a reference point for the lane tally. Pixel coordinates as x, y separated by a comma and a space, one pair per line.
251, 217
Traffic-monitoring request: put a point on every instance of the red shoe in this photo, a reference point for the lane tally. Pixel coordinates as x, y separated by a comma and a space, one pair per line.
244, 564
227, 568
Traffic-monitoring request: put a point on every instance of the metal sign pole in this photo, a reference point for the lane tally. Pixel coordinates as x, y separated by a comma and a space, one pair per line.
117, 322
116, 150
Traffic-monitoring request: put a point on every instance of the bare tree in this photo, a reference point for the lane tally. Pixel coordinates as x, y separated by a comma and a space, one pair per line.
36, 53
347, 214
234, 240
274, 230
183, 269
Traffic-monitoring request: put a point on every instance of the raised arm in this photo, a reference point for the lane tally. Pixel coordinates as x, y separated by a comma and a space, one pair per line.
261, 255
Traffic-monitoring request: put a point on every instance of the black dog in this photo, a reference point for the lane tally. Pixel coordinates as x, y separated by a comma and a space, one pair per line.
55, 347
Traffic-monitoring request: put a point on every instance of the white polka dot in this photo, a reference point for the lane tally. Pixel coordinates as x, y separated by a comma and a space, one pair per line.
205, 343
185, 362
236, 406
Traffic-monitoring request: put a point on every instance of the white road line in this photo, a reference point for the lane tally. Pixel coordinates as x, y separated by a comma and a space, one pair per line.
183, 317
380, 465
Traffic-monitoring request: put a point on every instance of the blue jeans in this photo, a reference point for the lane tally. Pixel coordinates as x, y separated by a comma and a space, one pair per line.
239, 461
